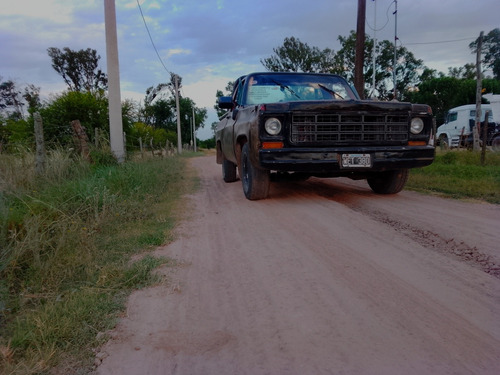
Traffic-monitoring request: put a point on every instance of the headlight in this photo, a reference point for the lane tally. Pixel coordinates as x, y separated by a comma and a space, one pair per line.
417, 125
272, 126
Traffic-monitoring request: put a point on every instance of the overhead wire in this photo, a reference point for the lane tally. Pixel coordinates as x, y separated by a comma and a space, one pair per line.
151, 39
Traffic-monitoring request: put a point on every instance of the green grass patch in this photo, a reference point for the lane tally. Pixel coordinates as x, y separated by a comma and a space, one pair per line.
66, 244
460, 174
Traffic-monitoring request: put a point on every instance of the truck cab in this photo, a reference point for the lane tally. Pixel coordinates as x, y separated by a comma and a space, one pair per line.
458, 123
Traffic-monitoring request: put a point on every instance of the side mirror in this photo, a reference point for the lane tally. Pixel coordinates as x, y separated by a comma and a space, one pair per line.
225, 102
234, 114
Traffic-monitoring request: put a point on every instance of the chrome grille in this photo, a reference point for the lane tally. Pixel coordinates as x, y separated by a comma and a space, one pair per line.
350, 127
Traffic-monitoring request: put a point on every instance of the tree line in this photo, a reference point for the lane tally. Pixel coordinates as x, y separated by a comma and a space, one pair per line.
415, 82
153, 121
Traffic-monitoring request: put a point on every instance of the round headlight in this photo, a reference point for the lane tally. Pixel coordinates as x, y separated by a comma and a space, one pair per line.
272, 126
417, 125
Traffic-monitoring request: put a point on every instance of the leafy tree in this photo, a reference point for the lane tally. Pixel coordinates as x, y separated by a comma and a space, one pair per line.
444, 93
90, 109
491, 51
296, 56
79, 69
407, 66
11, 100
160, 110
468, 71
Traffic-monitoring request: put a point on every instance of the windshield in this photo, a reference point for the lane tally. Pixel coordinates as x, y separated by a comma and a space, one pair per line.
273, 88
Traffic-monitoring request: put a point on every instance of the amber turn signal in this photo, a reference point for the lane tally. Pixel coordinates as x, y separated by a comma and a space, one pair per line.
417, 143
267, 145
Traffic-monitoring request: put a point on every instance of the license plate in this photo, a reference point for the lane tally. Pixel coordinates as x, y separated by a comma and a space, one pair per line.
356, 161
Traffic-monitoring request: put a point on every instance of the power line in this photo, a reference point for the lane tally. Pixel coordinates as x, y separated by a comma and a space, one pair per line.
150, 38
442, 41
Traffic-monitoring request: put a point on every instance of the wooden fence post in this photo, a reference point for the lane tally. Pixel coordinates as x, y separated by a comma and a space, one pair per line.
81, 139
40, 145
485, 137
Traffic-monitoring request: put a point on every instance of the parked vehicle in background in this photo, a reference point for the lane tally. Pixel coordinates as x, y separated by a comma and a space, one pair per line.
298, 125
459, 124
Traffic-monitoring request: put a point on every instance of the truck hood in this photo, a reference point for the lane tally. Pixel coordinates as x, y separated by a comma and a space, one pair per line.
333, 105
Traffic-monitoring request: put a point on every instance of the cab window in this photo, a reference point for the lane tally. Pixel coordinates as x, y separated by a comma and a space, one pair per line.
452, 116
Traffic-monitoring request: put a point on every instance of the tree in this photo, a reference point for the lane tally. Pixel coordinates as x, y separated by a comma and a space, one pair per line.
491, 51
11, 100
79, 69
407, 66
91, 109
443, 93
468, 71
295, 56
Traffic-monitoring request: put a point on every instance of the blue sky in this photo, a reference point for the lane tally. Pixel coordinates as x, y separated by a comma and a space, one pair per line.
211, 42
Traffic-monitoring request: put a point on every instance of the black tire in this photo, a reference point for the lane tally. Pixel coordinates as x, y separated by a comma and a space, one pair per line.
228, 171
255, 181
443, 142
390, 182
495, 144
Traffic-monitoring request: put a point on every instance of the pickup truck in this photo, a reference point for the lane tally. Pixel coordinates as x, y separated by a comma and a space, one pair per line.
307, 124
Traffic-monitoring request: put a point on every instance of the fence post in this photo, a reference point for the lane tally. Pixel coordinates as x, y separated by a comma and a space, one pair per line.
81, 139
485, 137
40, 145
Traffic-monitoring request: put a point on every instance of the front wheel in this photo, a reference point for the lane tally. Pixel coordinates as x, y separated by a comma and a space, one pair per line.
255, 181
390, 182
443, 142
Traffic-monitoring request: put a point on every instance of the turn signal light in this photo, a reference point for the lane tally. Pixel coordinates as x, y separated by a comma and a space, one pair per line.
268, 145
417, 143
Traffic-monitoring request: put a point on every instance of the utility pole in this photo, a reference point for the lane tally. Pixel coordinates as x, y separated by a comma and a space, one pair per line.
374, 57
395, 48
359, 82
479, 87
179, 138
115, 109
194, 130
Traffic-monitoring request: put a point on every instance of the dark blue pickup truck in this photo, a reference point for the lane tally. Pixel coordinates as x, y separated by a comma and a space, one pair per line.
306, 124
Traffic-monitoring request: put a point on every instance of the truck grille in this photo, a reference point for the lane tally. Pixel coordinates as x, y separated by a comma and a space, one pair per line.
349, 128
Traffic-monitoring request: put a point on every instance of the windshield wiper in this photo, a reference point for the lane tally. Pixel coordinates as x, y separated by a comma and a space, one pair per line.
285, 87
335, 94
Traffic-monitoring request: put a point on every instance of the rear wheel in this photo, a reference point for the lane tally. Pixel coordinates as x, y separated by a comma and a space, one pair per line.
390, 182
495, 143
228, 171
255, 181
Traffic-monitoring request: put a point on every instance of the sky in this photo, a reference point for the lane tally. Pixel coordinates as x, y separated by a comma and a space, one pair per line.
212, 42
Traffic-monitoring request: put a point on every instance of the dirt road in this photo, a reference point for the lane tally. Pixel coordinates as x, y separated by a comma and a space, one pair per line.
324, 277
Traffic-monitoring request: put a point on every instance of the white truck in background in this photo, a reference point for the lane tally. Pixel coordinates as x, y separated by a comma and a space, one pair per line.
458, 123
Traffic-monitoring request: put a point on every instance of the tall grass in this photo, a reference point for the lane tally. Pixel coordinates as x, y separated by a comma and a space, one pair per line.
66, 239
459, 174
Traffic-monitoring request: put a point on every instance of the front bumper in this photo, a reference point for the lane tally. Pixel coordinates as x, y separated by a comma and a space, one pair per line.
327, 160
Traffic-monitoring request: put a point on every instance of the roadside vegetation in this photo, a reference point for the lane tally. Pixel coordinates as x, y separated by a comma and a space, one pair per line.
459, 174
67, 240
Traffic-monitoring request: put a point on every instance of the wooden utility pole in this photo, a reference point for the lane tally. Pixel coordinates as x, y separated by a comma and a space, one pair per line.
194, 131
479, 86
395, 91
359, 81
179, 138
115, 109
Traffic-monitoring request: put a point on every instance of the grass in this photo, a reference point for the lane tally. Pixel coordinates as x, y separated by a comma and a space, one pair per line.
459, 174
66, 243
